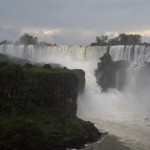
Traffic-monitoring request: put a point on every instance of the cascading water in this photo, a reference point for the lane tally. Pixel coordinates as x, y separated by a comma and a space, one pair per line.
115, 111
138, 57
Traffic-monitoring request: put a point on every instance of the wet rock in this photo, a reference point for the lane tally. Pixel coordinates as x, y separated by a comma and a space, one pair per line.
111, 74
81, 79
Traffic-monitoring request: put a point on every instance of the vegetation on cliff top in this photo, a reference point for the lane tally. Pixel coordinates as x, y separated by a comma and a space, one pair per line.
9, 64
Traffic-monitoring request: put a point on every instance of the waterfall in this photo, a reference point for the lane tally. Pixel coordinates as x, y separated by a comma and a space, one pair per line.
93, 102
37, 54
138, 57
86, 58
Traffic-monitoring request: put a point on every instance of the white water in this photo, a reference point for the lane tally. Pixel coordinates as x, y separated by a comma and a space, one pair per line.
123, 114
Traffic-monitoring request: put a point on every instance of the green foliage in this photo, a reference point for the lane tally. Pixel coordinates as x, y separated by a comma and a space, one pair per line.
102, 40
38, 131
124, 39
20, 133
43, 43
129, 39
5, 42
27, 65
27, 39
3, 64
114, 41
3, 58
47, 66
12, 60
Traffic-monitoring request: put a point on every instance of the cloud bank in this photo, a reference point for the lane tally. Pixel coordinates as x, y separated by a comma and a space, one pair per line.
72, 21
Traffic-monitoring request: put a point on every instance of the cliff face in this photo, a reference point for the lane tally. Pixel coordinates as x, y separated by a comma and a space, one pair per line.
81, 79
43, 87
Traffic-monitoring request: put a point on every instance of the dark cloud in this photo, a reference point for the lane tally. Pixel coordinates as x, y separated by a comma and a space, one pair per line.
76, 16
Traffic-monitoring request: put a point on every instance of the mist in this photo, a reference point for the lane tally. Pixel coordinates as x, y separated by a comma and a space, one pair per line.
133, 102
93, 103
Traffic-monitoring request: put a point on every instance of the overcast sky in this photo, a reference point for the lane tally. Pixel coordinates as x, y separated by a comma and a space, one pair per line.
73, 21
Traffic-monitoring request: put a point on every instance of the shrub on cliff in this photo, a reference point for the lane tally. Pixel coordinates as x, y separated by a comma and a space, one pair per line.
20, 133
45, 132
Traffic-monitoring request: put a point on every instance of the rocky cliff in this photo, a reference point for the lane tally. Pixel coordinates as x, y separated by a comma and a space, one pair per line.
111, 74
45, 88
38, 108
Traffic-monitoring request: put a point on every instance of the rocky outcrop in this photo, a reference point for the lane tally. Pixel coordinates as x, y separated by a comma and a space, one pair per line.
105, 73
111, 74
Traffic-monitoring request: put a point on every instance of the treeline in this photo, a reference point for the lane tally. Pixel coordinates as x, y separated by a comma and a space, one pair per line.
121, 39
26, 40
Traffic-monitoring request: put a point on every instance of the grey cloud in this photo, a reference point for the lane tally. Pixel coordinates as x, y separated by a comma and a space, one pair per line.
72, 37
97, 15
67, 12
9, 33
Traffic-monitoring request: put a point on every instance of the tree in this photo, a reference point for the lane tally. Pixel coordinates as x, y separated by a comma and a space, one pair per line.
27, 39
102, 40
5, 42
113, 41
134, 39
123, 38
129, 39
126, 39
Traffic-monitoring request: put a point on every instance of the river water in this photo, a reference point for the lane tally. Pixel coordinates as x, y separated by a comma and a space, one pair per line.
128, 127
122, 134
125, 117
